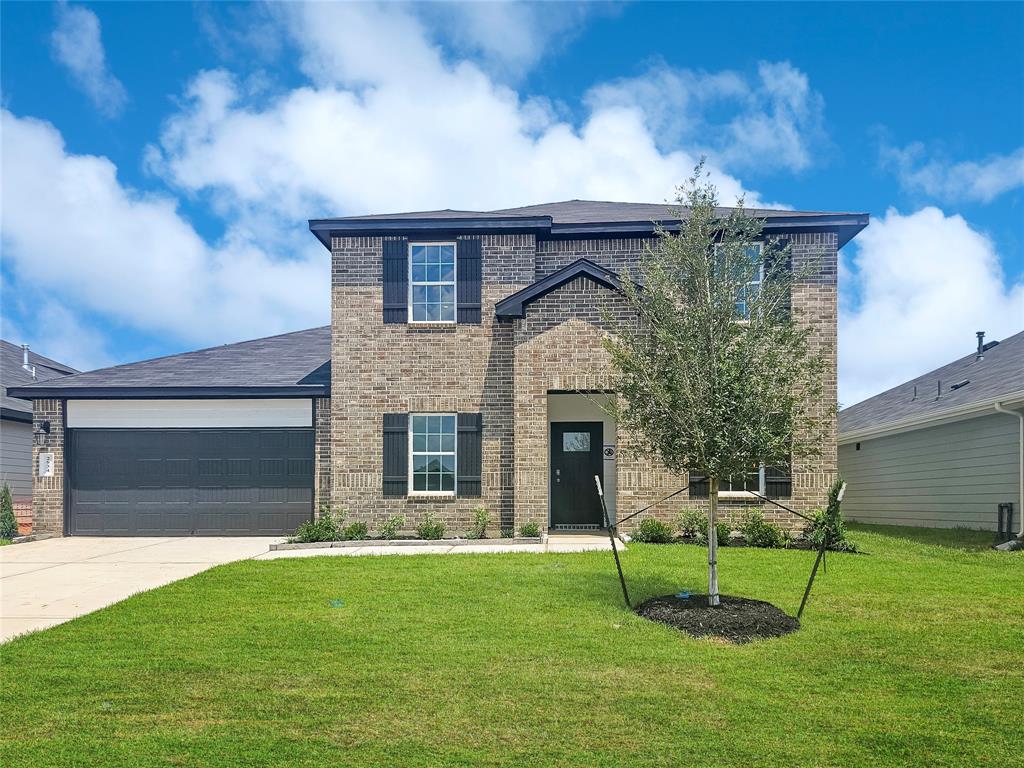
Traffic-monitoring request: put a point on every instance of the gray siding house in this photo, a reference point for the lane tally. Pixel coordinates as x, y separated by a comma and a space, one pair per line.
463, 367
943, 450
20, 366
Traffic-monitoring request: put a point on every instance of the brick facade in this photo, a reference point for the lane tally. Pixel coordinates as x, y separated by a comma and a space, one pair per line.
48, 492
505, 370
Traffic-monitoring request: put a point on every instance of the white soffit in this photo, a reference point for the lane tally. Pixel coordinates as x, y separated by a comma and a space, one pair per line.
141, 414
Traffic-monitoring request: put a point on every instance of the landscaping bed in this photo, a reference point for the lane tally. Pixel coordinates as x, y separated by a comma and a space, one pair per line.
402, 543
737, 619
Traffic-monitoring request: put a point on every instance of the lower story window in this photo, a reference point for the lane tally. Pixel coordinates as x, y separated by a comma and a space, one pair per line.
773, 482
432, 458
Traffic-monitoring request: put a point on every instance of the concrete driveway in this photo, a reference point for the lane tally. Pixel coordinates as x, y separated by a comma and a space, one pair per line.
43, 583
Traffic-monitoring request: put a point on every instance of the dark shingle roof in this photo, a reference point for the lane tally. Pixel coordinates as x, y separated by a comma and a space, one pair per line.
1001, 372
292, 363
13, 375
604, 211
572, 217
584, 212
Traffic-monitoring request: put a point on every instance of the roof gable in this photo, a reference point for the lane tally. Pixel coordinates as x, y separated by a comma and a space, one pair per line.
515, 305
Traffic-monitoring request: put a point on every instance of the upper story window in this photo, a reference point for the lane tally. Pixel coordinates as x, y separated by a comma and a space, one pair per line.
748, 291
432, 458
432, 282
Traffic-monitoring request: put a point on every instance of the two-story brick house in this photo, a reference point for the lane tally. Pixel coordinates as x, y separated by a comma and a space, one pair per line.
463, 367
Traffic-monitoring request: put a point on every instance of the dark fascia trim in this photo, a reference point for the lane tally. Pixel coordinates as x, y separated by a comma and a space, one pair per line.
168, 393
12, 414
514, 306
324, 229
847, 226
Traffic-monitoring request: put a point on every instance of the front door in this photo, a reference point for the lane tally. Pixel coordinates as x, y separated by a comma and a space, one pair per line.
576, 458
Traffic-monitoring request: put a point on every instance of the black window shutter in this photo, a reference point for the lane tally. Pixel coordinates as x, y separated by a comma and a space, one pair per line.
470, 448
468, 274
778, 260
396, 454
699, 487
777, 483
396, 281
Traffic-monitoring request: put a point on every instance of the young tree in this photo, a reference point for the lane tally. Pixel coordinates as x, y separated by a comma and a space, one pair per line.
715, 377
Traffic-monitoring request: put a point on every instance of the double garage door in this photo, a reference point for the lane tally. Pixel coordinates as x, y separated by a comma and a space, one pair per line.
189, 482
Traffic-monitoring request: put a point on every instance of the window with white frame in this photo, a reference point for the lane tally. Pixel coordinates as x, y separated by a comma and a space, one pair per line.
432, 455
747, 292
432, 282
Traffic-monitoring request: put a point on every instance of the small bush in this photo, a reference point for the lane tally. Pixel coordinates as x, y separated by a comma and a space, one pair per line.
8, 522
481, 519
355, 532
508, 533
652, 531
389, 528
724, 531
327, 527
430, 528
837, 540
693, 524
759, 533
530, 531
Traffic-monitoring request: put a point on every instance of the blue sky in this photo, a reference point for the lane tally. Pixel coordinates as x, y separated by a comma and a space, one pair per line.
161, 160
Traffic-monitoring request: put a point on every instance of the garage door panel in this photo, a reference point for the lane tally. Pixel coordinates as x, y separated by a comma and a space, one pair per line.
190, 481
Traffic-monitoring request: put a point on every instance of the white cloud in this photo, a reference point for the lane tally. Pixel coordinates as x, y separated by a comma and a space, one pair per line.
70, 229
510, 37
76, 44
402, 131
917, 288
772, 122
940, 178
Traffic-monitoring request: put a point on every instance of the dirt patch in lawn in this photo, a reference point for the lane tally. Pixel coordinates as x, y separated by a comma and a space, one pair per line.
737, 619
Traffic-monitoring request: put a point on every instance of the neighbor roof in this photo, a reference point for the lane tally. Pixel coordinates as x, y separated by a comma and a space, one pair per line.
999, 375
573, 218
13, 375
293, 364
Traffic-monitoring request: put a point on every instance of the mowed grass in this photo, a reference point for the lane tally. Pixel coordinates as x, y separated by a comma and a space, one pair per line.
909, 655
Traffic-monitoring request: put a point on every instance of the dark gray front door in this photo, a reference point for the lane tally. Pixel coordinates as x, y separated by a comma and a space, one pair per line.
576, 458
189, 482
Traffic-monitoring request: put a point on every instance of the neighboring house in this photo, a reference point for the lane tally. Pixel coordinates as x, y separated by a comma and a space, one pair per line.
942, 450
463, 367
20, 366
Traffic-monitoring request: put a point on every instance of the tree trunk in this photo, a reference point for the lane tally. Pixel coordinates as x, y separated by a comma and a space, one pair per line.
713, 542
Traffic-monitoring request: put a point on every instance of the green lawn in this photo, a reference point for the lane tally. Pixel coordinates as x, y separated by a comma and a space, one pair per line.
911, 655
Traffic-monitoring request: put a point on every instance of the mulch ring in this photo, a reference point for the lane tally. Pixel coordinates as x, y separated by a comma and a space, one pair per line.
737, 619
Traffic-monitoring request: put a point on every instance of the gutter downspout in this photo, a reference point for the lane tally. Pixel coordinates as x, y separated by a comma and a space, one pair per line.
1020, 462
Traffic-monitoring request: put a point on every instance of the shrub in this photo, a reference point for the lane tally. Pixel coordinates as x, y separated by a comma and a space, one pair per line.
327, 527
693, 524
759, 533
355, 532
724, 531
507, 533
652, 531
481, 519
8, 522
838, 542
530, 531
389, 528
430, 528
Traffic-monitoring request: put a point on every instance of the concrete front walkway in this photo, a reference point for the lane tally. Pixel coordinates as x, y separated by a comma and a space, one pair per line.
573, 542
43, 583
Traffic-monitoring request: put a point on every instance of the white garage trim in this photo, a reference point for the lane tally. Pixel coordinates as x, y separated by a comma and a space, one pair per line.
135, 414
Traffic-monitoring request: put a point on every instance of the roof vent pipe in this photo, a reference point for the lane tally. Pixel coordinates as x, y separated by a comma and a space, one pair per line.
981, 345
24, 361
